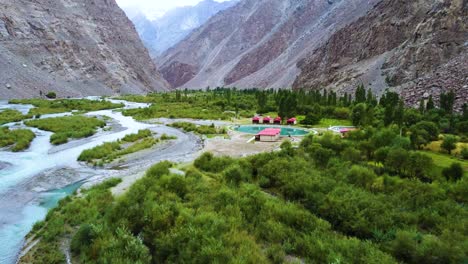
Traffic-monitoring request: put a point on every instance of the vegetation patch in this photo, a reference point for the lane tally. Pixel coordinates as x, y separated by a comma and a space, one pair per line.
10, 116
17, 139
110, 151
68, 127
43, 106
199, 129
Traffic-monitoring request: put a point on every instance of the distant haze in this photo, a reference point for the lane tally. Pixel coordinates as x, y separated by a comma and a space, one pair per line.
155, 8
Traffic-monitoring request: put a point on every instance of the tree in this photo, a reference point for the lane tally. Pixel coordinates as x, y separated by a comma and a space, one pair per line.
358, 116
396, 159
422, 106
454, 172
449, 143
430, 104
311, 119
360, 94
447, 101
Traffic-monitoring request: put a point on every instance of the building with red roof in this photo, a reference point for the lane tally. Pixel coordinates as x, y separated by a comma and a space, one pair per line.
277, 120
269, 135
292, 121
256, 120
267, 120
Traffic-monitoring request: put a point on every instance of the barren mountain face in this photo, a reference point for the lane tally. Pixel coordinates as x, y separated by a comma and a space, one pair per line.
257, 43
73, 47
418, 48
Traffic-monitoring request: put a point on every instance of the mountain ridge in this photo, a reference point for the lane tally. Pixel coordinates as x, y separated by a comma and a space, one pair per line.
75, 48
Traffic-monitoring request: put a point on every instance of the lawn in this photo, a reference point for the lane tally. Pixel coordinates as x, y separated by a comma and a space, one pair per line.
442, 161
68, 127
328, 122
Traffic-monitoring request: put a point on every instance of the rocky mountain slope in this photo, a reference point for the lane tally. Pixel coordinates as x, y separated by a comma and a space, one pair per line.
166, 31
257, 43
418, 48
414, 47
73, 47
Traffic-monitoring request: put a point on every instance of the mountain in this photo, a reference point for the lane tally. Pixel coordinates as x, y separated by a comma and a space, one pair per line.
175, 25
326, 43
418, 48
257, 43
73, 47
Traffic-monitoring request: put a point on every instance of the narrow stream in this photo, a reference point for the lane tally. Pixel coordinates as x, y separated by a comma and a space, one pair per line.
33, 181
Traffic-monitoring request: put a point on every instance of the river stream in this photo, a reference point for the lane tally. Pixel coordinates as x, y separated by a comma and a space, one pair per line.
33, 181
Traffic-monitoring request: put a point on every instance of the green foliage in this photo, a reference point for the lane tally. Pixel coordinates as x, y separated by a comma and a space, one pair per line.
140, 135
110, 151
311, 119
199, 129
10, 116
17, 139
67, 127
51, 95
65, 105
454, 172
449, 143
464, 153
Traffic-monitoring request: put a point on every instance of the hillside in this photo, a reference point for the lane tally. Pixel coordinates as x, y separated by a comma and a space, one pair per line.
257, 43
75, 48
418, 48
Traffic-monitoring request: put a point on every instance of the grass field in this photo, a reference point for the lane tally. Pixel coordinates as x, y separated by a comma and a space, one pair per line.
17, 140
442, 161
9, 116
67, 127
110, 151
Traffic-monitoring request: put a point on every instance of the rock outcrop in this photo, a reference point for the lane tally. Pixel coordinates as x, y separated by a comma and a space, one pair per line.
257, 43
413, 47
72, 47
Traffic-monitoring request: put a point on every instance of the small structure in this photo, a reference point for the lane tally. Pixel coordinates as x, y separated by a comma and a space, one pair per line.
269, 135
256, 120
267, 120
344, 131
277, 121
292, 121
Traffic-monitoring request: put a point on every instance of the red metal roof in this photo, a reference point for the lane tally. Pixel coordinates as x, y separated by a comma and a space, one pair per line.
256, 118
346, 130
292, 119
267, 118
278, 119
270, 132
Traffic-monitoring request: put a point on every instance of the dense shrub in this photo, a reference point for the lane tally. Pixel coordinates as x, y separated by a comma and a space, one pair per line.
51, 95
454, 172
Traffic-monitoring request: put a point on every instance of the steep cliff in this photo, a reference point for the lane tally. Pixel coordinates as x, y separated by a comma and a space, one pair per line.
257, 43
73, 47
417, 48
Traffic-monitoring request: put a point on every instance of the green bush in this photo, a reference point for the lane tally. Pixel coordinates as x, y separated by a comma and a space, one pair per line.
51, 95
464, 153
454, 172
